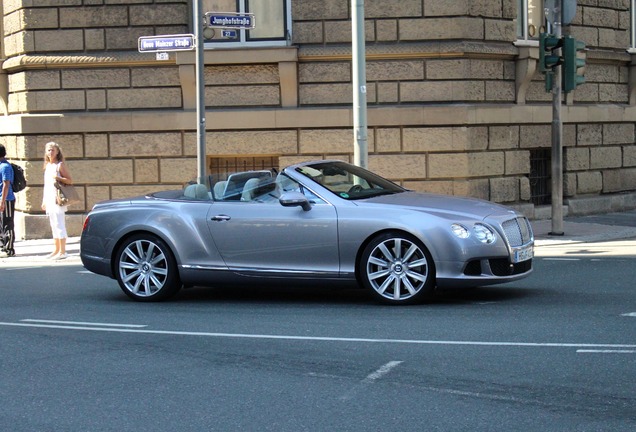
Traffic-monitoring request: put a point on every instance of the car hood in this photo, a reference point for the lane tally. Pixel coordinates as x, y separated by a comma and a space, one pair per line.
443, 204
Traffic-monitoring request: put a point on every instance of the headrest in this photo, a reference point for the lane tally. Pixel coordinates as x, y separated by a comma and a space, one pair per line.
196, 191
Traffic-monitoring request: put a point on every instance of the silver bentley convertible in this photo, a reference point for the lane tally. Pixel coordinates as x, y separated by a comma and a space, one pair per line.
320, 221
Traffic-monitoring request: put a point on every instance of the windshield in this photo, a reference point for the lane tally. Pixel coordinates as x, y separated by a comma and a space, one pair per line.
349, 181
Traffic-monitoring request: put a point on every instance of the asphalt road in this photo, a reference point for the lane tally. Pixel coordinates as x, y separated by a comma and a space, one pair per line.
556, 351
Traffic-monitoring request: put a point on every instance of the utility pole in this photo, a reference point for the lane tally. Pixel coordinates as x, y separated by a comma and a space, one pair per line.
200, 91
358, 58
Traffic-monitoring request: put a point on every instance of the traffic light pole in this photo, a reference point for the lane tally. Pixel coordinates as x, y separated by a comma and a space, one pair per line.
557, 137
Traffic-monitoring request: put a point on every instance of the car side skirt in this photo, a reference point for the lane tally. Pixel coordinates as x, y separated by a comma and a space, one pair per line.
210, 275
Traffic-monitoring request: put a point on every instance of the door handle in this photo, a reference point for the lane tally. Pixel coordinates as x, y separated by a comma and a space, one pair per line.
221, 218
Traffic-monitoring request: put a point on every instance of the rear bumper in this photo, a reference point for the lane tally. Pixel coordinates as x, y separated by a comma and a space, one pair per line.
97, 265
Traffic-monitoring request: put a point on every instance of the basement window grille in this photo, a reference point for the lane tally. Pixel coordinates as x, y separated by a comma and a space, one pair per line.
540, 176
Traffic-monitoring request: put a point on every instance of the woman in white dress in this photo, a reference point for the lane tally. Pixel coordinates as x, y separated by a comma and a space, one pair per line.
55, 170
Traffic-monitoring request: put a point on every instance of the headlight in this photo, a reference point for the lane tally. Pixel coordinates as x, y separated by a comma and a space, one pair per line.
460, 231
484, 234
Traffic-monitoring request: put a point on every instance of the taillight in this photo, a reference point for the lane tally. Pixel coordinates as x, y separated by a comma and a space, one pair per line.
85, 227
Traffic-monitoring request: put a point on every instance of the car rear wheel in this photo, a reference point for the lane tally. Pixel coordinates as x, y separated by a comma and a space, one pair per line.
397, 269
146, 269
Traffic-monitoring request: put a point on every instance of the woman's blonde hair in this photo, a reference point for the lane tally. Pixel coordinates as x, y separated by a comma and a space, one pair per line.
60, 156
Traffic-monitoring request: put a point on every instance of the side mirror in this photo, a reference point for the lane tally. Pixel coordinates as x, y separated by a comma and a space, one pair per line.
294, 199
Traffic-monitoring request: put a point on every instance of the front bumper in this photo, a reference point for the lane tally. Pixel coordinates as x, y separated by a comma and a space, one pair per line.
479, 272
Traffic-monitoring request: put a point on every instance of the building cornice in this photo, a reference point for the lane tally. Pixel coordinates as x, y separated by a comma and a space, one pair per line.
308, 118
109, 59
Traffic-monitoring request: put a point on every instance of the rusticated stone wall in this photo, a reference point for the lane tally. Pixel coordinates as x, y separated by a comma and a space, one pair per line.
410, 81
489, 161
72, 26
602, 161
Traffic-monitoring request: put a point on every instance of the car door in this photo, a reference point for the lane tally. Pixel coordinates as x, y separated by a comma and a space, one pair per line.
268, 239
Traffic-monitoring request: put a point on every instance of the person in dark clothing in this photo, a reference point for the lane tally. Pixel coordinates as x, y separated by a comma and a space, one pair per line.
7, 204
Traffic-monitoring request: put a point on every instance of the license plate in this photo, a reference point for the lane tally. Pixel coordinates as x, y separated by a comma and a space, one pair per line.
523, 254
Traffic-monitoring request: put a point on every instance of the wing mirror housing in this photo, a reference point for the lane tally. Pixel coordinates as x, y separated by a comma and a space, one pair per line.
294, 199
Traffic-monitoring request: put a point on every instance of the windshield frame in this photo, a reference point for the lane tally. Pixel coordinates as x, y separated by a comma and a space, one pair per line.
347, 181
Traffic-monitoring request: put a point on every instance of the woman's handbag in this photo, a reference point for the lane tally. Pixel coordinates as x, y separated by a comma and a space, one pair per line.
66, 194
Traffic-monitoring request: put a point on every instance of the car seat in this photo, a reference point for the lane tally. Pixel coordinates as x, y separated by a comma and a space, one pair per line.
250, 189
197, 192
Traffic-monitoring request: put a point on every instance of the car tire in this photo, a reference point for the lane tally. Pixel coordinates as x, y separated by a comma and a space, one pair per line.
146, 269
397, 269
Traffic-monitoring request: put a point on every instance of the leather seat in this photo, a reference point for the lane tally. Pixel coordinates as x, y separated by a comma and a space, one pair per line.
197, 192
250, 189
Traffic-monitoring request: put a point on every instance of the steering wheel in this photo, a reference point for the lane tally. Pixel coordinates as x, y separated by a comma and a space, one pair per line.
355, 189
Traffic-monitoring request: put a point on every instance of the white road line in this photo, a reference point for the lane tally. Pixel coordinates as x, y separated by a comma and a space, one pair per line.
325, 338
83, 323
630, 314
24, 268
561, 259
606, 351
385, 369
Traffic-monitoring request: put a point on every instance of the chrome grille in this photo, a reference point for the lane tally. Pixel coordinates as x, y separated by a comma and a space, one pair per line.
517, 231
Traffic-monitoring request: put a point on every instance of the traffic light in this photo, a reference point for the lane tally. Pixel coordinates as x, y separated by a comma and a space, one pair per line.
549, 79
572, 63
547, 59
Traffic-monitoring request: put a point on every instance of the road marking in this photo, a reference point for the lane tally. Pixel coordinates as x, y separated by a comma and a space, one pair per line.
84, 323
24, 268
385, 369
369, 380
607, 351
631, 314
561, 259
323, 338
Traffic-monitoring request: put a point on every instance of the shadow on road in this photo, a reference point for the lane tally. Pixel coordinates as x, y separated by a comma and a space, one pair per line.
340, 295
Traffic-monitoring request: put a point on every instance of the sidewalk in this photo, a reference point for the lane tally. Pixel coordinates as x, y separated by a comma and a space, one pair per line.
34, 252
581, 229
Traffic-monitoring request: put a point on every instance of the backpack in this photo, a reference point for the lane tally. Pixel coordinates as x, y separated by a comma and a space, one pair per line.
19, 182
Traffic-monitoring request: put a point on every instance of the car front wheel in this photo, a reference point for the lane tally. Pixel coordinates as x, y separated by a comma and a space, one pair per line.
146, 269
397, 269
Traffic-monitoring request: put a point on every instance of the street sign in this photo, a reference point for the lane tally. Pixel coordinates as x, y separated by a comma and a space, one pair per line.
181, 42
229, 34
230, 20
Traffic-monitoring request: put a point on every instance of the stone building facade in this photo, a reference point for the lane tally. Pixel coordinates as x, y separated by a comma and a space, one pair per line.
455, 102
